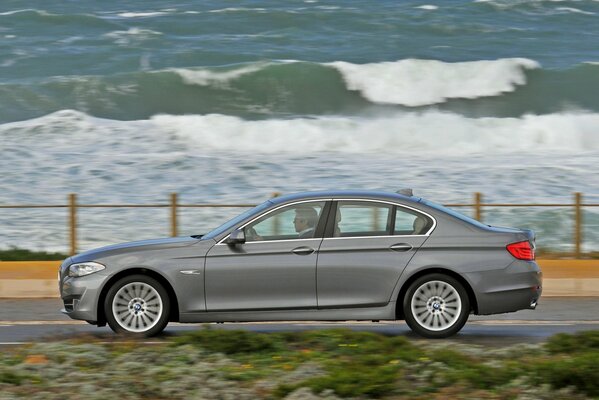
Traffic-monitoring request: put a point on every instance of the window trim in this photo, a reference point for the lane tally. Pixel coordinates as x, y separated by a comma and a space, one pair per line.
324, 211
328, 234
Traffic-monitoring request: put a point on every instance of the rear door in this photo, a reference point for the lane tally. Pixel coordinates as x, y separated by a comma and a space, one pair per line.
366, 247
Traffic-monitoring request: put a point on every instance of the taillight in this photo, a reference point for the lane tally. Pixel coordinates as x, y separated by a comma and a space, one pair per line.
522, 250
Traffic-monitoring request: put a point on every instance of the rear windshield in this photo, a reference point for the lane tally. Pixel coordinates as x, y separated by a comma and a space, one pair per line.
453, 213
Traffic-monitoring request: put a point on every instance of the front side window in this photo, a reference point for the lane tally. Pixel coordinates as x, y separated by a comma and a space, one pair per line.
361, 218
296, 221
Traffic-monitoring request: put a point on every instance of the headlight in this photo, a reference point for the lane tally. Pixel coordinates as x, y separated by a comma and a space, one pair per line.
86, 268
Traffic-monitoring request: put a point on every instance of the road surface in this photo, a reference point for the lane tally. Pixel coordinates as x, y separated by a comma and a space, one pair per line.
26, 321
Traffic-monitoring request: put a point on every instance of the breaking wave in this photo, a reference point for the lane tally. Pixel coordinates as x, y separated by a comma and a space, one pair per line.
403, 133
502, 88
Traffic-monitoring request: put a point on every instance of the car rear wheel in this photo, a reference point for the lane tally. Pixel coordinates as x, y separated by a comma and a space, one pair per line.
137, 305
436, 306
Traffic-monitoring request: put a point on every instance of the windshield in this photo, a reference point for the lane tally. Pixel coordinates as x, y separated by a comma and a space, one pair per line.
453, 213
231, 223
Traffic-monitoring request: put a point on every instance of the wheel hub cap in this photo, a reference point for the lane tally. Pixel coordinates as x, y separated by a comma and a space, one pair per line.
137, 307
436, 305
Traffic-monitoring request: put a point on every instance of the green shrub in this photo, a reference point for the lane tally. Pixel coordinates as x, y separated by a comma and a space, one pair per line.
11, 378
350, 380
578, 342
230, 342
15, 254
580, 371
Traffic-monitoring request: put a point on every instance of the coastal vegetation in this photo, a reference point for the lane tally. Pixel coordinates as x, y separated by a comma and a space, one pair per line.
325, 364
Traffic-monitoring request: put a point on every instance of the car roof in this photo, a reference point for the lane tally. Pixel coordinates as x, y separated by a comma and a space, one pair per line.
350, 194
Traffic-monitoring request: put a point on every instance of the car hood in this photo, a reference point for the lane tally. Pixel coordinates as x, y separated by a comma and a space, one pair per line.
153, 244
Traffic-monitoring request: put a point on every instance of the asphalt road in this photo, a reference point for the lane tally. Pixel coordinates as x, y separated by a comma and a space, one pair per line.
25, 321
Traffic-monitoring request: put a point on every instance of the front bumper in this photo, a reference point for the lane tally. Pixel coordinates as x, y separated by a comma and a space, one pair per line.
80, 295
517, 287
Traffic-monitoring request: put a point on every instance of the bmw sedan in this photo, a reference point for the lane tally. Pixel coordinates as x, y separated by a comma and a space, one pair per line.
334, 256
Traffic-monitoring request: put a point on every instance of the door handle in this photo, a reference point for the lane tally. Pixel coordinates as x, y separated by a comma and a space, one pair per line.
303, 251
400, 247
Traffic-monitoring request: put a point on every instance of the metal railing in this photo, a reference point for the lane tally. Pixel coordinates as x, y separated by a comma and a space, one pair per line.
478, 205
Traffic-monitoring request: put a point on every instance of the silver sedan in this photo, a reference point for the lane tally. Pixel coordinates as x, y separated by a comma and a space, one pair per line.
335, 255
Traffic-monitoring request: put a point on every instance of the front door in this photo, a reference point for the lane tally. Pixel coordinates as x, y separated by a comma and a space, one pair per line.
275, 268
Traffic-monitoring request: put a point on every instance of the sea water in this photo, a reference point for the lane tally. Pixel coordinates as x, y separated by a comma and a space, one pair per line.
228, 102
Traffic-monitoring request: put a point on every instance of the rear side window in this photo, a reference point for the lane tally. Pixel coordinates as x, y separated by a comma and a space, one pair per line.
362, 218
408, 222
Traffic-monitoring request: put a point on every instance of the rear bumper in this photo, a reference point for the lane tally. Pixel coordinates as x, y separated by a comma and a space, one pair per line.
517, 287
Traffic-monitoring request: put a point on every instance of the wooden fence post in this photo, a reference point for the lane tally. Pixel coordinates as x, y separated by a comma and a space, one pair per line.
73, 222
478, 213
174, 222
578, 224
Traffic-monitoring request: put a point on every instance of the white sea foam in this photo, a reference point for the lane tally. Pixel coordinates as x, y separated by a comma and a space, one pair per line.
206, 77
131, 36
21, 11
142, 14
428, 7
132, 32
574, 10
236, 9
415, 82
429, 132
402, 133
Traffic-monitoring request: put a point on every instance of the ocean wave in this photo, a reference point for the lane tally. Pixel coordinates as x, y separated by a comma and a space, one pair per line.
409, 82
504, 88
423, 82
402, 133
429, 132
42, 16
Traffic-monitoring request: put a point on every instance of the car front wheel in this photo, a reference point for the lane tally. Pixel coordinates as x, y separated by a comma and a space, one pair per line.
436, 306
137, 305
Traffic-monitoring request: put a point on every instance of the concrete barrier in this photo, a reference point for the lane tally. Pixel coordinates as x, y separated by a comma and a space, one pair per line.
38, 279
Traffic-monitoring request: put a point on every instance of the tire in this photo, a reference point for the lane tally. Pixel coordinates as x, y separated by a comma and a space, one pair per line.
436, 306
137, 305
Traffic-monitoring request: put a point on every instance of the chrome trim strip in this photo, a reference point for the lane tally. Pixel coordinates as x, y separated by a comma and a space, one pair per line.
281, 240
350, 237
368, 237
398, 205
220, 242
191, 272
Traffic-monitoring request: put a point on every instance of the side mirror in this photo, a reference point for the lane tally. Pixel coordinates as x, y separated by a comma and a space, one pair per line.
236, 237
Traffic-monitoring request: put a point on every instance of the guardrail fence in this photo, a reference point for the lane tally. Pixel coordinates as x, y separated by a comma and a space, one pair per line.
478, 205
